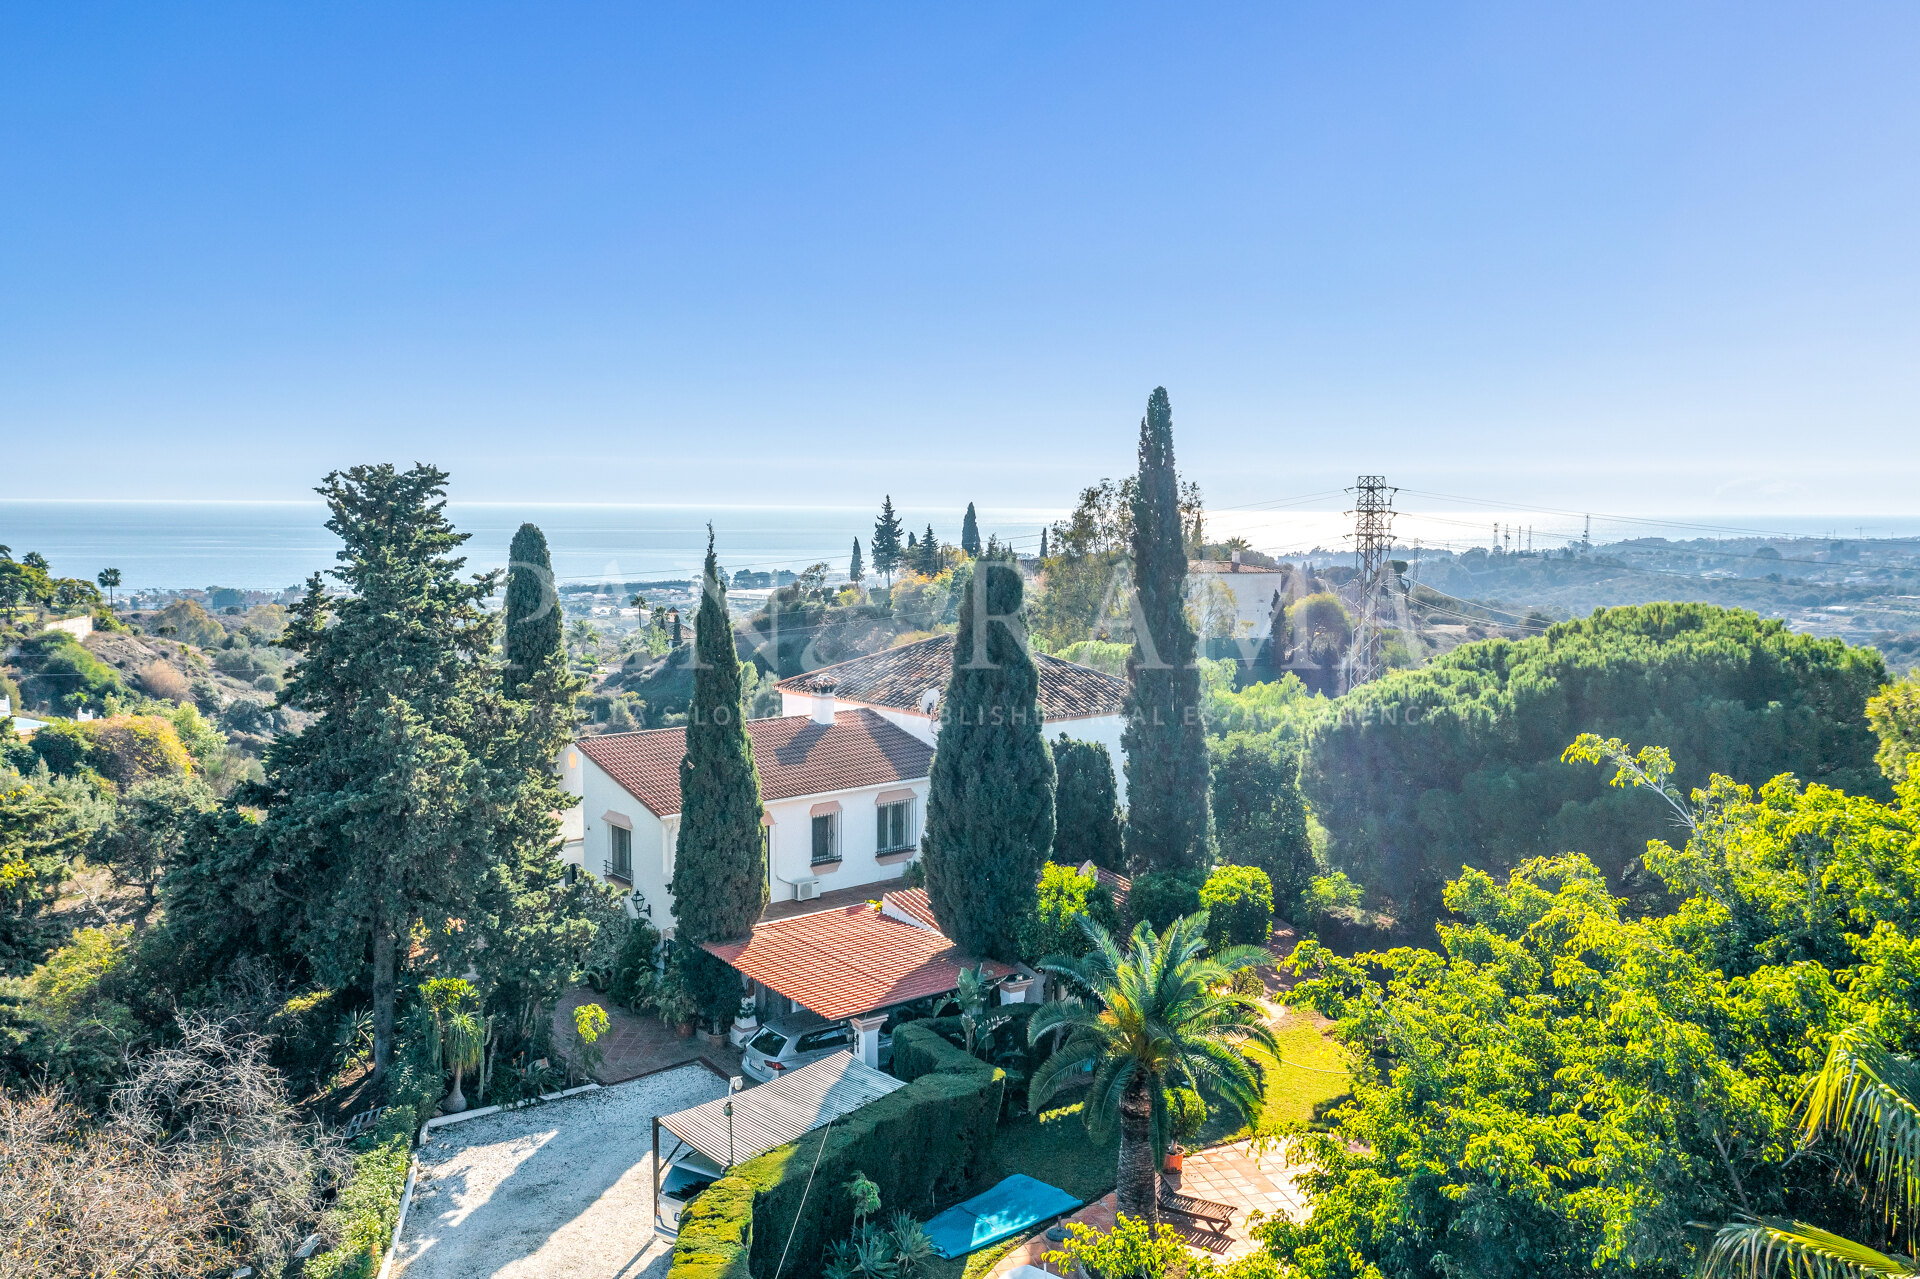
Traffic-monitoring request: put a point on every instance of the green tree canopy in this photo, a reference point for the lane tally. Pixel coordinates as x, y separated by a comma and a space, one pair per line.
886, 544
719, 871
1165, 736
389, 809
531, 618
1569, 1086
990, 805
970, 533
1260, 815
1457, 762
1086, 805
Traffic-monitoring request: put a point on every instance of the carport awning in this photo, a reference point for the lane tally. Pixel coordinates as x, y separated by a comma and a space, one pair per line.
785, 1110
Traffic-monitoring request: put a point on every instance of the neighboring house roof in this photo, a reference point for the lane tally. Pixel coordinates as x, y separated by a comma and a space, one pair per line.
915, 903
785, 1110
794, 757
1113, 881
899, 679
1228, 566
840, 963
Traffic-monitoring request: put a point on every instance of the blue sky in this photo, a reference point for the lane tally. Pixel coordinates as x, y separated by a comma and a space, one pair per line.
1636, 257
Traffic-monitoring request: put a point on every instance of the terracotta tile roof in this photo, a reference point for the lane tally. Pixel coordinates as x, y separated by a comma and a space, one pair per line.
900, 677
794, 756
1112, 880
840, 963
914, 902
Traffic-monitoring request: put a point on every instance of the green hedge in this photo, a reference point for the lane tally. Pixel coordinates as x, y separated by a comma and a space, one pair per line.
924, 1146
363, 1216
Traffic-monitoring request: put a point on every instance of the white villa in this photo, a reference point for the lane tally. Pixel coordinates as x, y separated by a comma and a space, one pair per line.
845, 792
843, 777
904, 686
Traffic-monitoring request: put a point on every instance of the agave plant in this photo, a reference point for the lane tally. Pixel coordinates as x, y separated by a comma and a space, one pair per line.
1868, 1100
1149, 1018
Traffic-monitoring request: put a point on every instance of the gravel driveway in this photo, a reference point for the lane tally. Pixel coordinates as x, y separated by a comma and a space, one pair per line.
560, 1191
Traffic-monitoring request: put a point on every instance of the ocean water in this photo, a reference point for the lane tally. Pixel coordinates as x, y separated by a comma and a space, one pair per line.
273, 545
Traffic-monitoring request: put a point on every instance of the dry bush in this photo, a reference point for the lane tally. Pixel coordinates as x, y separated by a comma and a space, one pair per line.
201, 1165
163, 679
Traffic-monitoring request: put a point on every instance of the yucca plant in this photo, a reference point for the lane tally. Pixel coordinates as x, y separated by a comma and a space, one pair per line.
1868, 1100
459, 1035
1153, 1016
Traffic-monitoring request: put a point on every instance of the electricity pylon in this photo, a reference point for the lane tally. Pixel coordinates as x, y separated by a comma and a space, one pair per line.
1372, 544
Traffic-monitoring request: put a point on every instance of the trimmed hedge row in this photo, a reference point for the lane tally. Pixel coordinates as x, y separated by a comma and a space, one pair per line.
923, 1145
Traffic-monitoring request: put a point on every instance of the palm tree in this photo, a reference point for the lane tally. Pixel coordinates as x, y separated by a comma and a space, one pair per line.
1149, 1018
1869, 1099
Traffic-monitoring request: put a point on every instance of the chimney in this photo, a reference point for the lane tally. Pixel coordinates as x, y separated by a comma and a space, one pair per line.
1236, 561
823, 701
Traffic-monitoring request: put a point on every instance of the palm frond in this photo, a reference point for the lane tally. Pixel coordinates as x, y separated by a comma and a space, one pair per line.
1058, 1070
1774, 1249
1869, 1098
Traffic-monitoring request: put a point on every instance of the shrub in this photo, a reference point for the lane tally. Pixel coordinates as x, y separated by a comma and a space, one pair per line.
1162, 896
1062, 897
363, 1216
1239, 905
61, 673
163, 679
128, 749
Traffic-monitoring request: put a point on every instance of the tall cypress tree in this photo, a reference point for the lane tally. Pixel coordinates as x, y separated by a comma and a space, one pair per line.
1165, 739
886, 543
1086, 805
719, 873
970, 533
390, 807
532, 613
855, 569
990, 813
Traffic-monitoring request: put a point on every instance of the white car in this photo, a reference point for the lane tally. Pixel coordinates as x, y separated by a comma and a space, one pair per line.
793, 1042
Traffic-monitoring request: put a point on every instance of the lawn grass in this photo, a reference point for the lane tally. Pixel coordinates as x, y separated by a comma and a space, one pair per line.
1311, 1071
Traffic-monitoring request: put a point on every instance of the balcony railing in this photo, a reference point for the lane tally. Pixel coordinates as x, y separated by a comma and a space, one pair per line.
619, 874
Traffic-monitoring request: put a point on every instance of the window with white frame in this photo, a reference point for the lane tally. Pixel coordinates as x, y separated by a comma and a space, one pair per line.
620, 854
826, 837
894, 826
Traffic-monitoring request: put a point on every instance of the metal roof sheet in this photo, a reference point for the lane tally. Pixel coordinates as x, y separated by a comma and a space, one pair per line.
782, 1111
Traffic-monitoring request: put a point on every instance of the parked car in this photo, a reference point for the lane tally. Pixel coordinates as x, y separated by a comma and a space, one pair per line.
792, 1042
686, 1177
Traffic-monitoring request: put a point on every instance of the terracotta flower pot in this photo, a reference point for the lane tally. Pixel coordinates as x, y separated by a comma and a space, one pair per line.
1173, 1161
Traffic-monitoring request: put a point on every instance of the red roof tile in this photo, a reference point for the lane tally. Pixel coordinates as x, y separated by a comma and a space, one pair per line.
840, 963
793, 755
900, 677
914, 902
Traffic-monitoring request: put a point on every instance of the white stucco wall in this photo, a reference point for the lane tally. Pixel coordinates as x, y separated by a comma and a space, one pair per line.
588, 838
790, 851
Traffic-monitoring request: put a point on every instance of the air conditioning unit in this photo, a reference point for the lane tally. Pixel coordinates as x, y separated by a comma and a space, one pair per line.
805, 890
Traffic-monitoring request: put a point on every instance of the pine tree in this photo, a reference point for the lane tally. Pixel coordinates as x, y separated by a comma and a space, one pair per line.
885, 544
970, 533
532, 613
720, 874
929, 562
855, 569
1165, 738
393, 805
1260, 815
1086, 805
990, 804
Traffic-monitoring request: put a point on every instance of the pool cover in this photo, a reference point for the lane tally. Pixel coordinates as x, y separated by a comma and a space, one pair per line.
1008, 1209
